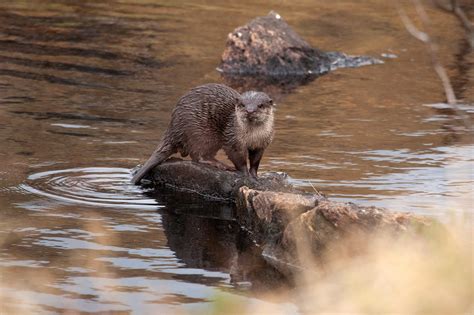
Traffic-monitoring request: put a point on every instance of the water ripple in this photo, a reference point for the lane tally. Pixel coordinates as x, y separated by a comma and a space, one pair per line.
92, 186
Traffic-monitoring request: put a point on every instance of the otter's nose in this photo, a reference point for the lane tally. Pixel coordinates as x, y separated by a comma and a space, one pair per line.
250, 109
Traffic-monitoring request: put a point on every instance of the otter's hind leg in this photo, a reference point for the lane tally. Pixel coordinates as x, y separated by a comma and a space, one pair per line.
183, 152
206, 155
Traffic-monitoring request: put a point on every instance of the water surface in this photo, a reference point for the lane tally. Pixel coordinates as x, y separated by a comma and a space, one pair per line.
86, 90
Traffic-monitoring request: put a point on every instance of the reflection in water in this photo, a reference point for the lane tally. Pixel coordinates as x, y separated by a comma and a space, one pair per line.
93, 83
206, 236
112, 262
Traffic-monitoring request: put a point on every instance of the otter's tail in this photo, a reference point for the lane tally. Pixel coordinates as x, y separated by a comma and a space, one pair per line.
162, 152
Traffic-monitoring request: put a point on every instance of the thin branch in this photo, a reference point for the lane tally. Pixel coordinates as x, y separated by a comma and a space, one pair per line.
433, 50
411, 28
315, 190
456, 9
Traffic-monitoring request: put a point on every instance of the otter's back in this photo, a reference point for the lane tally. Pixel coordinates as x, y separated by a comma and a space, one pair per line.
203, 111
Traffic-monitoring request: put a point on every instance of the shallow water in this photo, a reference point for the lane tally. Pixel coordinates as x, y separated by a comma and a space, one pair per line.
86, 89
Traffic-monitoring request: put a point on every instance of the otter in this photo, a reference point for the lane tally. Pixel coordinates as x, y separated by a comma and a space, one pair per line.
214, 116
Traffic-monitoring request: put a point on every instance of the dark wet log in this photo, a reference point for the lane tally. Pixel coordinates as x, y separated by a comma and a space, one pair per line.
268, 46
211, 183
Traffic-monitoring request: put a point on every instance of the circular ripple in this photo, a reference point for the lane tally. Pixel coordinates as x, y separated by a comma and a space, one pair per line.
93, 186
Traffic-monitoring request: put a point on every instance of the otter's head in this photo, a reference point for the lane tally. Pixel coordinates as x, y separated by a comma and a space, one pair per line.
255, 108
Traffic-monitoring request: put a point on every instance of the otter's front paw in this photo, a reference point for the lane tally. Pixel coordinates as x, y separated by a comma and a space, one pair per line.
253, 173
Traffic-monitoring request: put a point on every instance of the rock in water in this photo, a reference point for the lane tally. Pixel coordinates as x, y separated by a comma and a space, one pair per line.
280, 217
268, 46
282, 223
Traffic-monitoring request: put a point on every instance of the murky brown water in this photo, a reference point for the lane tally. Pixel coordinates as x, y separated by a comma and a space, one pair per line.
86, 89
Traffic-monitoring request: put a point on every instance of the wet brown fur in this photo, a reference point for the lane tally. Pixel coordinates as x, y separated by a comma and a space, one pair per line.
211, 117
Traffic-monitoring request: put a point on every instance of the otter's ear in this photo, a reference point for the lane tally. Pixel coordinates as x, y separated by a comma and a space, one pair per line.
271, 103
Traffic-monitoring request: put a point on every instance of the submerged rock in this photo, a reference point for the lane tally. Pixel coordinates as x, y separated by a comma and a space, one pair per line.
268, 46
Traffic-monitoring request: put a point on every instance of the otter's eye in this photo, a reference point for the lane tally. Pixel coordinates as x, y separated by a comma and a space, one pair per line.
241, 105
260, 106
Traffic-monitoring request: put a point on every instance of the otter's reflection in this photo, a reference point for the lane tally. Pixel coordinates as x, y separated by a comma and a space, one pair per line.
204, 234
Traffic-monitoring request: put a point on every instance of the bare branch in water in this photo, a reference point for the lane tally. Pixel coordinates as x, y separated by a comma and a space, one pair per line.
433, 50
455, 8
411, 28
